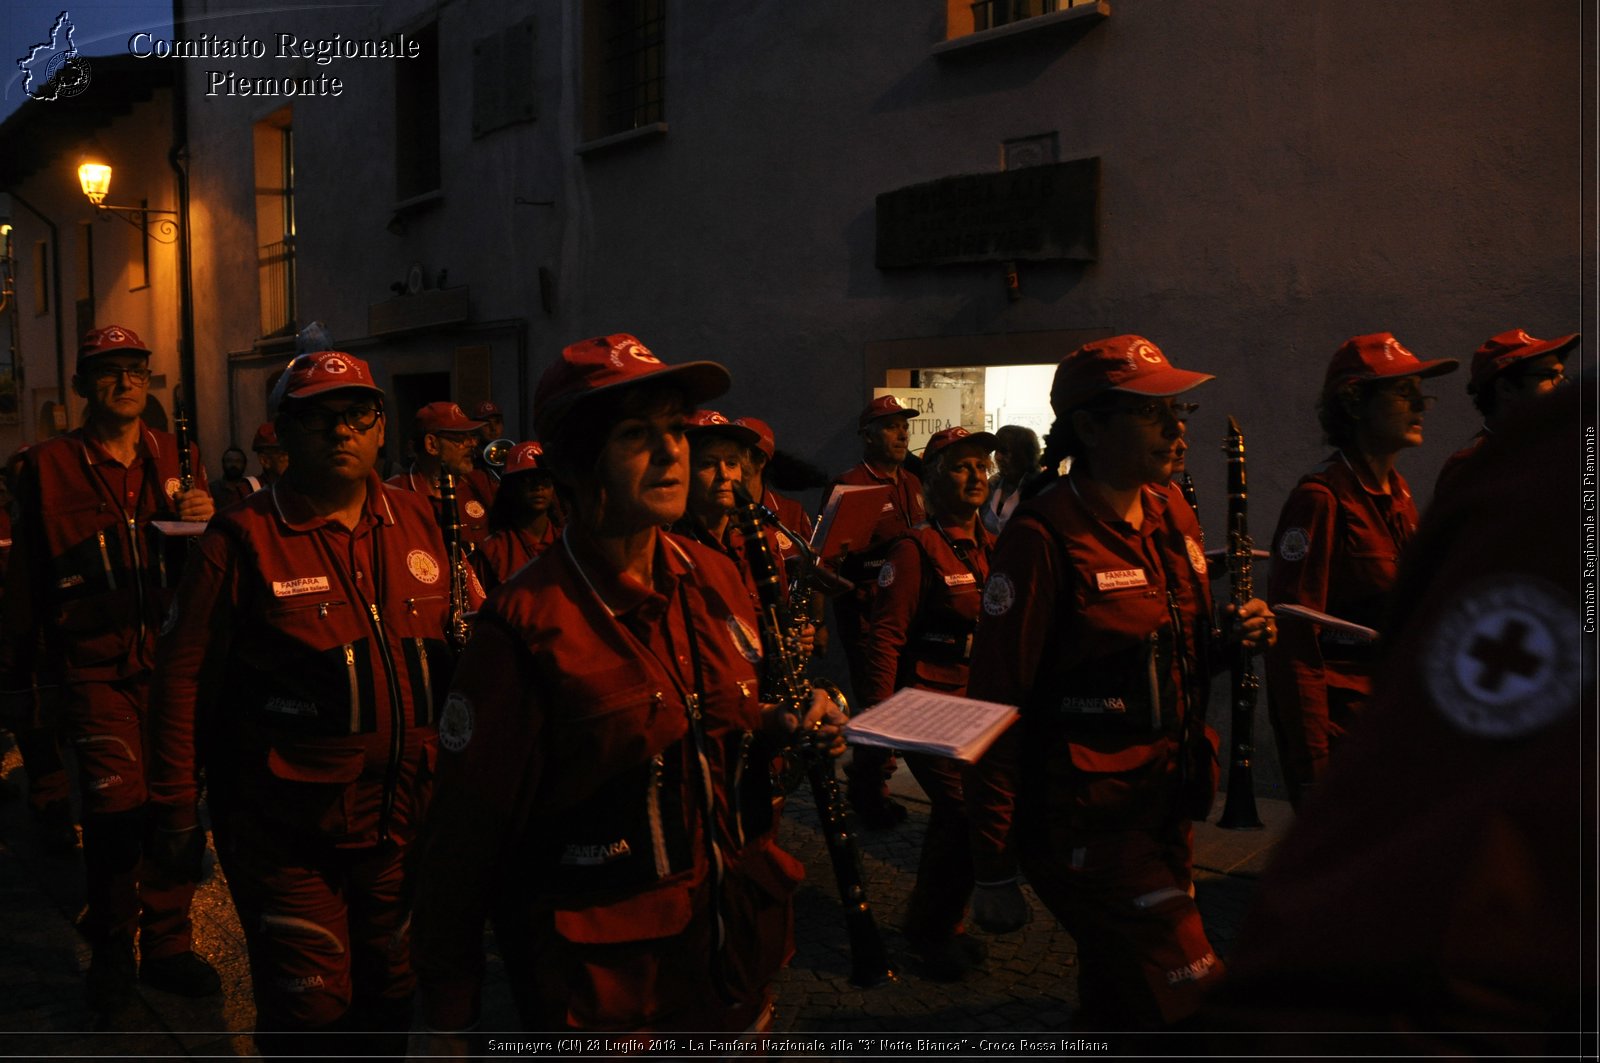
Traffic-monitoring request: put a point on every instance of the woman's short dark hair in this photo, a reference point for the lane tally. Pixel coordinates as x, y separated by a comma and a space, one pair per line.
1336, 409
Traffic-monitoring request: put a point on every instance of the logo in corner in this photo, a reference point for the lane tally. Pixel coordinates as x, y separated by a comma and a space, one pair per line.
455, 723
53, 69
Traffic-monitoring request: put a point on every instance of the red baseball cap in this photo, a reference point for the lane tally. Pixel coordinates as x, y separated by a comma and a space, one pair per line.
712, 423
883, 406
1121, 363
1501, 352
486, 409
438, 417
524, 458
603, 363
765, 442
266, 438
322, 371
957, 434
107, 340
1378, 355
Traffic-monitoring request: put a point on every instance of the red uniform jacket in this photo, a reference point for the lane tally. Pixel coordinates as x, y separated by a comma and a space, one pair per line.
584, 738
1437, 896
507, 550
472, 509
923, 613
311, 661
226, 492
89, 579
1454, 462
1336, 549
1099, 633
794, 517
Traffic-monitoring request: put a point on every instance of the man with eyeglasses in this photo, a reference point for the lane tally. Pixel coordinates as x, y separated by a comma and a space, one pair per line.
303, 668
88, 584
1509, 373
444, 437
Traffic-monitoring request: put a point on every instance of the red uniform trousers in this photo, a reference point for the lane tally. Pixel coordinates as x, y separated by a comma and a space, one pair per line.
938, 901
107, 724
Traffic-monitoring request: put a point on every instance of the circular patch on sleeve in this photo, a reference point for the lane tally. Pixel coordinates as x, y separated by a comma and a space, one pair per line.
1197, 555
172, 487
745, 640
474, 509
1294, 544
423, 566
999, 594
455, 723
1503, 660
886, 574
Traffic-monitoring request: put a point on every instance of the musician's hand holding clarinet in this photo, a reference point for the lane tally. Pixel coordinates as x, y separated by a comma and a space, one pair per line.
823, 722
1252, 625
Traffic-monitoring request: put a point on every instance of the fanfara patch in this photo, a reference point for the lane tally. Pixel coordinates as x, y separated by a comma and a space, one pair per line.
1197, 555
886, 574
999, 595
290, 588
474, 509
745, 640
423, 566
1503, 660
1293, 545
172, 487
455, 723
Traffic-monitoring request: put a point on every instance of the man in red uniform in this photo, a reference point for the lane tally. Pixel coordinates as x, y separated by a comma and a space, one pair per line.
885, 428
1509, 372
446, 438
234, 484
302, 668
1443, 904
522, 522
88, 583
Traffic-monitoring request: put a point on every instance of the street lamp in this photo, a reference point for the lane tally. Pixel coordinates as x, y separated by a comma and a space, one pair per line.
94, 178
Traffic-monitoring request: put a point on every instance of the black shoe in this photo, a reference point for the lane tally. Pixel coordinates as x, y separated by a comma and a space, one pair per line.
948, 959
183, 973
880, 813
111, 975
58, 834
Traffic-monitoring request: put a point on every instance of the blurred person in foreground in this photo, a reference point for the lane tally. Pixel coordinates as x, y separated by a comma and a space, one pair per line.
1510, 372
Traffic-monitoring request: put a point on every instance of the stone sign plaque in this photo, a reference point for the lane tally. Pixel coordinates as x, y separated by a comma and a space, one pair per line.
1033, 214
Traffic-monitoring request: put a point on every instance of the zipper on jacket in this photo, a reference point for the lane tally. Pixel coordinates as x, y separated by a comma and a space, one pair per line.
138, 567
658, 837
355, 688
1154, 640
697, 732
746, 740
397, 737
105, 561
427, 676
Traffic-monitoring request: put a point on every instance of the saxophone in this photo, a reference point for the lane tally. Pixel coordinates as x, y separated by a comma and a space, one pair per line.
458, 629
784, 681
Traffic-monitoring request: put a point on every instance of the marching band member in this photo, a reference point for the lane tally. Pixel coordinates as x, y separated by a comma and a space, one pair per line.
446, 438
522, 522
1509, 372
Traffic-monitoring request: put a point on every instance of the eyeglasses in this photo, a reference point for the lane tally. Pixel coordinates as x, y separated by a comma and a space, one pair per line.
360, 417
1555, 376
110, 374
460, 439
1411, 396
1158, 411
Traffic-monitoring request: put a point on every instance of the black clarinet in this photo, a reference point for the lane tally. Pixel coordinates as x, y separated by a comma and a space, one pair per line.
1239, 813
458, 629
784, 682
180, 425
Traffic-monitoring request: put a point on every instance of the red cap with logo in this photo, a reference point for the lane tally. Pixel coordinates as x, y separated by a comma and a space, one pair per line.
603, 363
323, 371
957, 434
765, 442
883, 406
266, 438
712, 423
1121, 363
524, 457
1501, 352
1379, 355
438, 417
486, 409
108, 340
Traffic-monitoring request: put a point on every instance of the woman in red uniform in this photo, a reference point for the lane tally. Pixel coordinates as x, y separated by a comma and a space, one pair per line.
1096, 622
1337, 545
603, 794
522, 522
923, 614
